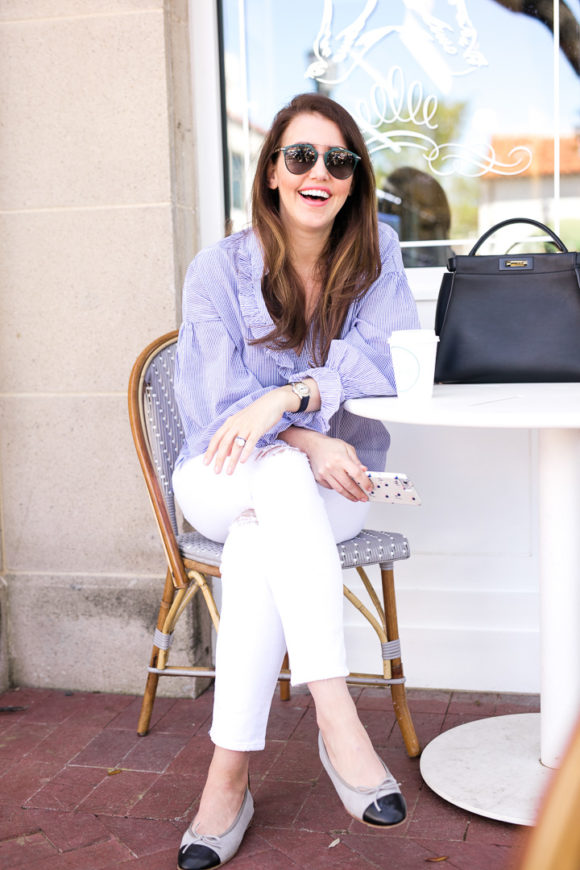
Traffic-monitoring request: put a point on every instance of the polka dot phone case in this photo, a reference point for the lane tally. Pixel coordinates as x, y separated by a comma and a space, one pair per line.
390, 488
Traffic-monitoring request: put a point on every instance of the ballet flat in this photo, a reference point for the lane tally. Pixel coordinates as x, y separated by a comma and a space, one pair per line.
203, 851
380, 806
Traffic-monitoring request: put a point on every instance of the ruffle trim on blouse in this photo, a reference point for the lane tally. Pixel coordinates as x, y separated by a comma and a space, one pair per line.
330, 386
250, 267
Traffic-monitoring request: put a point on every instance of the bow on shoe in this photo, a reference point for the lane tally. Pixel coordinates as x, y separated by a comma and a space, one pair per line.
204, 851
198, 851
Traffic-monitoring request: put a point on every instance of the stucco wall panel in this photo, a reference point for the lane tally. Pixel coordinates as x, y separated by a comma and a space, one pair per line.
81, 295
75, 499
84, 112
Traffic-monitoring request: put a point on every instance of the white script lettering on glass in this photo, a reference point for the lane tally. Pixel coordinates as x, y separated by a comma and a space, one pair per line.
444, 49
352, 43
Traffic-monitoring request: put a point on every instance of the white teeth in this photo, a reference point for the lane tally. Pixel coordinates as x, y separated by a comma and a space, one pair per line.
315, 194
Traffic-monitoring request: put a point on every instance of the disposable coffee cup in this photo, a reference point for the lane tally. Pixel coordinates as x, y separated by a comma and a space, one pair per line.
413, 353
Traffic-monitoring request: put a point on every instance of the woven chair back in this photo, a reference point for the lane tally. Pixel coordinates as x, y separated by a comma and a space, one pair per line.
162, 422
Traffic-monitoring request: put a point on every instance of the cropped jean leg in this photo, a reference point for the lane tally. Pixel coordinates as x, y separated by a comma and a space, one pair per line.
250, 643
281, 580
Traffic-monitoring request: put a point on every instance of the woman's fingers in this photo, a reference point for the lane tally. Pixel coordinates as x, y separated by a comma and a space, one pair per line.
225, 443
349, 489
240, 433
229, 449
323, 483
240, 450
357, 470
355, 490
219, 448
347, 486
359, 476
353, 478
337, 467
364, 481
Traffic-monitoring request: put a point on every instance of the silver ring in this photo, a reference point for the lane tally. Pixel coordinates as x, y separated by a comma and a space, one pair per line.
241, 442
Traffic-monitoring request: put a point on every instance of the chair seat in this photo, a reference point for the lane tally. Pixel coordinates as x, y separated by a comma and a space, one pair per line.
194, 546
369, 547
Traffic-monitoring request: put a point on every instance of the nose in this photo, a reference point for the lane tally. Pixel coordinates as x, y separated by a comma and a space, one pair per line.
319, 169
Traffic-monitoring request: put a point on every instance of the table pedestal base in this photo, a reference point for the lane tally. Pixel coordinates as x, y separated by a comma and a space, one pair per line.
490, 767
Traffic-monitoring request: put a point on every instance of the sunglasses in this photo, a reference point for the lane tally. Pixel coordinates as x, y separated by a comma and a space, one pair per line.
299, 158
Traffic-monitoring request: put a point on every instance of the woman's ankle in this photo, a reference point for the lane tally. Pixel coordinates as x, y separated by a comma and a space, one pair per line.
218, 807
333, 703
349, 746
223, 792
229, 767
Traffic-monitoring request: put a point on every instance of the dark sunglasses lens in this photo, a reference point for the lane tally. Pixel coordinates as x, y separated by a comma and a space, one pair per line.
340, 163
299, 158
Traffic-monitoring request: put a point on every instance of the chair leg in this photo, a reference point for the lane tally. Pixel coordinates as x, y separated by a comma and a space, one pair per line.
147, 704
398, 691
285, 684
403, 714
153, 679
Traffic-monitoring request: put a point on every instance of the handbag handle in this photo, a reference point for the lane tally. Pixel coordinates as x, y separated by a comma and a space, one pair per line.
559, 243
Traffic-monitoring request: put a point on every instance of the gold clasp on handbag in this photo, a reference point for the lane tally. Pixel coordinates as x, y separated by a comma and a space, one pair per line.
506, 263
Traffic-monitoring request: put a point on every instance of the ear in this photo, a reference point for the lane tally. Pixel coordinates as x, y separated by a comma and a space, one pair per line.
272, 177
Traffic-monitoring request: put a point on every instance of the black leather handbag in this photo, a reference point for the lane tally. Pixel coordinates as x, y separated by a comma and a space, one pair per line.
510, 318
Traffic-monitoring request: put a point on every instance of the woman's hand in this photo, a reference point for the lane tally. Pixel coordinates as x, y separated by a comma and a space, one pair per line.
334, 462
248, 424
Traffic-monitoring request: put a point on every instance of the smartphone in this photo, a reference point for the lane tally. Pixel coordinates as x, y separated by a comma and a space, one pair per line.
392, 488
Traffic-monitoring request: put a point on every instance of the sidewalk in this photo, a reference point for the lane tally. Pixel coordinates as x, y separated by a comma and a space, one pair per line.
79, 790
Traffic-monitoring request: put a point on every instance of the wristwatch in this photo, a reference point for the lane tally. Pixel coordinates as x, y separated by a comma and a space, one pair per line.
303, 393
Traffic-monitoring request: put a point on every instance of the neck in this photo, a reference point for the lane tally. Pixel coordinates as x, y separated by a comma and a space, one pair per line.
305, 259
306, 249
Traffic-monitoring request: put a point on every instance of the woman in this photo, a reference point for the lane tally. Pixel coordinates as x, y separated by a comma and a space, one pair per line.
282, 324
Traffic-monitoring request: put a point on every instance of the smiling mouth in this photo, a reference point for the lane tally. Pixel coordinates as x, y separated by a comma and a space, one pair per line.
314, 195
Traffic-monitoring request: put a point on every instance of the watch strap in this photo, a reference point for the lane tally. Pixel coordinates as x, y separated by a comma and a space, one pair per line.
303, 404
303, 394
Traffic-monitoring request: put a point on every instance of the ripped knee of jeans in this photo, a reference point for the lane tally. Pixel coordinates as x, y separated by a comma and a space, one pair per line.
247, 517
273, 449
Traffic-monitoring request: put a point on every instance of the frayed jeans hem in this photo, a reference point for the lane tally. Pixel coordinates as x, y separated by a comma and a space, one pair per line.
304, 679
237, 746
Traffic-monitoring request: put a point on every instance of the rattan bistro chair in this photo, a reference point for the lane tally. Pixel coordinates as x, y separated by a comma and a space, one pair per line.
191, 558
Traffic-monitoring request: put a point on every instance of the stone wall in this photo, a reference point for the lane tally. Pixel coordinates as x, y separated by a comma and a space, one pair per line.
98, 221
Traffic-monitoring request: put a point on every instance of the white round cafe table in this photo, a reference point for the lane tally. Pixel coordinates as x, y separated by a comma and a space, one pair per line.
498, 767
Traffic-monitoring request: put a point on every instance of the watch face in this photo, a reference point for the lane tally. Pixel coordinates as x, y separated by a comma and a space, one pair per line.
301, 389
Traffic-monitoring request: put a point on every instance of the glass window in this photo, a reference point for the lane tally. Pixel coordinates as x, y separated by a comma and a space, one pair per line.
237, 180
470, 108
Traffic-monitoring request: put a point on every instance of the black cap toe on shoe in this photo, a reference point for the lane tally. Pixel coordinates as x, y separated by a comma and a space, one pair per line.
392, 810
197, 857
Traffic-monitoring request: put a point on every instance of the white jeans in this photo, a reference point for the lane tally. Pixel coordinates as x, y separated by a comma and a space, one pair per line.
281, 580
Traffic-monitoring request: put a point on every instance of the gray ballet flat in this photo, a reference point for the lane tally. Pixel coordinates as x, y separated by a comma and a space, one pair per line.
381, 806
202, 851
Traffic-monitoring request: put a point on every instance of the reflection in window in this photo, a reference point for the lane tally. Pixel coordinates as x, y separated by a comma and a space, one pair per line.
237, 180
422, 212
467, 117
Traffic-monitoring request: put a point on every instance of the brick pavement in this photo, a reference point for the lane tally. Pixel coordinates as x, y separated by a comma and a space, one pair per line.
79, 790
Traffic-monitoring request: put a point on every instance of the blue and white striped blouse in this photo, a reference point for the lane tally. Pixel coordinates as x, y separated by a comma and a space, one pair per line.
217, 372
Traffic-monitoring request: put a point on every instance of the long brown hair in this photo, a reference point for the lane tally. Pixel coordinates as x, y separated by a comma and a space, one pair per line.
350, 261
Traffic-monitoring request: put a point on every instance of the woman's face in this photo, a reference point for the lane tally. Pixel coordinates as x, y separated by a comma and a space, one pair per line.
309, 203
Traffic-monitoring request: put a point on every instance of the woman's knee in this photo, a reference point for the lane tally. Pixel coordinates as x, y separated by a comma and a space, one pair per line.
210, 502
346, 518
283, 469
